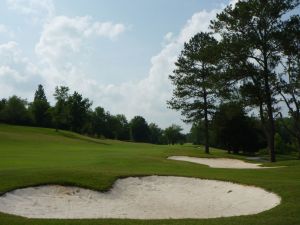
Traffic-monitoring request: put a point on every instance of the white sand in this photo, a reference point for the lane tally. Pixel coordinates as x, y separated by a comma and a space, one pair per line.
220, 162
153, 197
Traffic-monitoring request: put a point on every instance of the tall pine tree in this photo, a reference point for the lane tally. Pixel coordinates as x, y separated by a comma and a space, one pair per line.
194, 79
40, 108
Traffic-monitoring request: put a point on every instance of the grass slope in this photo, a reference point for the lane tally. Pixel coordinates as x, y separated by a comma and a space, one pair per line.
34, 156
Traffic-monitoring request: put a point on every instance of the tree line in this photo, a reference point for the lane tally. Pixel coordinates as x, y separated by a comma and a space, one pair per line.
232, 129
73, 112
251, 58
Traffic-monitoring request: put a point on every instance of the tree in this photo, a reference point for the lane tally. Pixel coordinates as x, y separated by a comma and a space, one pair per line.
40, 108
2, 106
78, 111
197, 135
233, 130
99, 124
249, 32
156, 134
15, 111
174, 135
122, 129
289, 83
61, 110
194, 78
118, 127
139, 129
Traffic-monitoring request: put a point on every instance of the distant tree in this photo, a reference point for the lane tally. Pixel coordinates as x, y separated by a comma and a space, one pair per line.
99, 121
194, 80
156, 134
174, 135
117, 127
249, 32
197, 133
78, 111
40, 108
3, 102
15, 111
234, 130
2, 106
122, 129
110, 126
139, 129
60, 111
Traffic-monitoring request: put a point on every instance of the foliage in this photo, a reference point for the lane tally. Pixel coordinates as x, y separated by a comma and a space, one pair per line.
74, 112
40, 108
15, 111
234, 131
78, 111
251, 51
194, 80
60, 111
174, 135
156, 134
289, 83
139, 129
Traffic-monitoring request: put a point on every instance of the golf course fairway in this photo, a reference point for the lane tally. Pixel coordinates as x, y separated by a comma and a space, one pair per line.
32, 157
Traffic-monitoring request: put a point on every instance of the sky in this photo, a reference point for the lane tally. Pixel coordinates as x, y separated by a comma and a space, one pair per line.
119, 54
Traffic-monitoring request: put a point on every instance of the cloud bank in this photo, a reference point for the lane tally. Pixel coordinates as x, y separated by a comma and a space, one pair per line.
61, 51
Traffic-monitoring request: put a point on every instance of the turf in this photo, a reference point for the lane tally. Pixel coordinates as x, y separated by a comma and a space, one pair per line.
34, 156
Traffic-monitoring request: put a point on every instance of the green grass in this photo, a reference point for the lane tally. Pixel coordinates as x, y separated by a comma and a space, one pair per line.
34, 156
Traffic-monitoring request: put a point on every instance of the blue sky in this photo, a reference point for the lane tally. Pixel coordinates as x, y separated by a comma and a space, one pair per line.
117, 53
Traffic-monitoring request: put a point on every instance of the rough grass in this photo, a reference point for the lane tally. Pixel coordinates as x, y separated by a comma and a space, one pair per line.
34, 156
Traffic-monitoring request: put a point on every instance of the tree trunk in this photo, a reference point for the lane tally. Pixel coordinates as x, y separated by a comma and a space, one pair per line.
270, 121
206, 133
271, 146
271, 130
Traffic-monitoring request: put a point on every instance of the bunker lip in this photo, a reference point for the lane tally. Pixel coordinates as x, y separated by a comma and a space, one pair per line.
224, 163
150, 197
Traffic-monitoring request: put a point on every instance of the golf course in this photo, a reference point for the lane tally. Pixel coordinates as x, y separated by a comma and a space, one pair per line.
31, 157
168, 112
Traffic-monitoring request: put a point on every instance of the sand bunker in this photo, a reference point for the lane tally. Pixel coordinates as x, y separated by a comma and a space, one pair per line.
220, 162
153, 197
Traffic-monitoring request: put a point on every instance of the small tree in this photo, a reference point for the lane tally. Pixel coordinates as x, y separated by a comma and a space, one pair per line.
61, 110
194, 79
234, 130
173, 134
2, 106
78, 111
156, 134
139, 129
119, 127
15, 111
40, 108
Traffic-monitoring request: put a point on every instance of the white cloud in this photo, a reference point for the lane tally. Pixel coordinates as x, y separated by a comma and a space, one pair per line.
37, 10
17, 74
62, 45
168, 38
106, 29
148, 97
5, 30
64, 34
